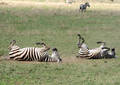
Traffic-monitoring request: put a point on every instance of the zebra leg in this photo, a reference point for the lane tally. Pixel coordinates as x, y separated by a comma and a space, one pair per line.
84, 10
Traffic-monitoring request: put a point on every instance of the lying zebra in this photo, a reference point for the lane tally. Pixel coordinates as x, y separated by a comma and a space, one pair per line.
84, 6
97, 53
33, 53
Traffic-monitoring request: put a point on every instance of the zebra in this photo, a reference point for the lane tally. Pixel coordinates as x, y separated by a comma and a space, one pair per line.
95, 53
84, 6
101, 52
33, 54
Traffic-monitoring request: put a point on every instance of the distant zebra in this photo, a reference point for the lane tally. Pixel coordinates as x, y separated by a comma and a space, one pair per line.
84, 6
32, 54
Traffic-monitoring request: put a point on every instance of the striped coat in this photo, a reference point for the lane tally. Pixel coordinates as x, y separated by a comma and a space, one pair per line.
93, 53
33, 53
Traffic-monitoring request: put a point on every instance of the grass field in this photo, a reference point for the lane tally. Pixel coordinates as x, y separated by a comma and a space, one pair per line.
57, 24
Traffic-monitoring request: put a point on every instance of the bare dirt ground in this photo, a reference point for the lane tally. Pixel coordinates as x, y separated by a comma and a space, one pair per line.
65, 60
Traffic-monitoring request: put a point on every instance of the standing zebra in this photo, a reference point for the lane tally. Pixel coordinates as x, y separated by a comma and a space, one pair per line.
32, 54
84, 6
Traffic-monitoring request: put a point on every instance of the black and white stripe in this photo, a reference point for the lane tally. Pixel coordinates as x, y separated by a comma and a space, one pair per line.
98, 52
85, 52
33, 54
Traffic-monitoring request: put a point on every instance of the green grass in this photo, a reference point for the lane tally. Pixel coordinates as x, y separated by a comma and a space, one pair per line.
58, 26
89, 72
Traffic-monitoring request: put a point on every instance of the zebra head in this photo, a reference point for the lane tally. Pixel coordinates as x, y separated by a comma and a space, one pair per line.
12, 43
55, 55
87, 4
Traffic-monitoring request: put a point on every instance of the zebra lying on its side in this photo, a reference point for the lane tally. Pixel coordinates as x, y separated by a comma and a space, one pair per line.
98, 53
32, 54
84, 6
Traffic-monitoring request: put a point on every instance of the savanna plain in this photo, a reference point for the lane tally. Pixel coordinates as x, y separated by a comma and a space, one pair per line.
57, 24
